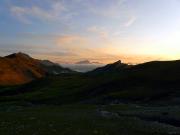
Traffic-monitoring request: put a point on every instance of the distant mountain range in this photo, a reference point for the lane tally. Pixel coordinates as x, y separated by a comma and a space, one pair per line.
19, 68
87, 62
113, 83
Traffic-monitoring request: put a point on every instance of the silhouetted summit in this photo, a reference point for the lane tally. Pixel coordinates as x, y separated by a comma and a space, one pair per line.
87, 62
84, 62
18, 55
114, 67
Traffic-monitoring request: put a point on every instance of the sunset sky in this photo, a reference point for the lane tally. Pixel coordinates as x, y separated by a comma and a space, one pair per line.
67, 31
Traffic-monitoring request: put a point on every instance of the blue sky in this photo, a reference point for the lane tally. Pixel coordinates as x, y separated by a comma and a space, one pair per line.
67, 31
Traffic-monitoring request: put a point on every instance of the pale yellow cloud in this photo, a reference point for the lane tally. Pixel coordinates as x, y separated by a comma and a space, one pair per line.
73, 48
74, 40
108, 52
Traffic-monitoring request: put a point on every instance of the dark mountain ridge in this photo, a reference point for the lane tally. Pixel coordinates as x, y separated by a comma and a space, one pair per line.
110, 68
117, 82
155, 80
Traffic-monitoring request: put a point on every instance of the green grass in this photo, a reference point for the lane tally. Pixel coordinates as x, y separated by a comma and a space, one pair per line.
82, 104
62, 105
67, 89
75, 120
53, 90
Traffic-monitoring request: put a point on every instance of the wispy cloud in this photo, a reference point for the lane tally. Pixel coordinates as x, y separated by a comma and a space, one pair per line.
111, 9
99, 31
56, 12
64, 11
116, 10
131, 20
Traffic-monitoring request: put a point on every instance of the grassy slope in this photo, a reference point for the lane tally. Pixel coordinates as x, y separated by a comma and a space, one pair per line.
147, 82
39, 107
59, 89
104, 88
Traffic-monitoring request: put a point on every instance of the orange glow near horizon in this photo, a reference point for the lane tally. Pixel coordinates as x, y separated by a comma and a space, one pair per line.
70, 31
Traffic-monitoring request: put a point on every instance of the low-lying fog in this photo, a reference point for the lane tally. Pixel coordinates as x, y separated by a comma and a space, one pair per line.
82, 67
